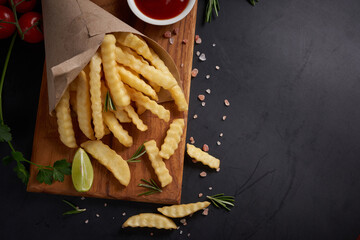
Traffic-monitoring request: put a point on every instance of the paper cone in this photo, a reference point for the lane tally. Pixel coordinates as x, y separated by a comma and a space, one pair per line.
73, 31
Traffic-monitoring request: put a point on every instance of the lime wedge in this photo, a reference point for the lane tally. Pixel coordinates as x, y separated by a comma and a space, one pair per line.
82, 172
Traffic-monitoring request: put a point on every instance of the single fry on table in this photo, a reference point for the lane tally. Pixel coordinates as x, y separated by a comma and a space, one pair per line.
182, 210
110, 159
202, 156
152, 220
172, 139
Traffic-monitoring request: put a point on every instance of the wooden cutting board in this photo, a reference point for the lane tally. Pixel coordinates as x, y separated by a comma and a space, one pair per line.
47, 148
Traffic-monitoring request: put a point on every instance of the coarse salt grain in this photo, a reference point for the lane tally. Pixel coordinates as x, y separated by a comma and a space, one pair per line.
171, 40
218, 143
195, 116
97, 215
202, 57
198, 53
196, 37
87, 221
217, 67
182, 65
194, 161
208, 91
221, 134
201, 97
213, 44
198, 41
184, 41
207, 76
124, 213
203, 104
226, 102
224, 118
205, 212
218, 169
188, 235
194, 72
200, 195
82, 198
181, 231
192, 140
176, 31
183, 221
167, 34
210, 188
203, 174
205, 148
151, 234
105, 204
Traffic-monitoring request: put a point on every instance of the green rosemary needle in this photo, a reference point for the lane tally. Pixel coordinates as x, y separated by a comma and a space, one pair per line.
109, 105
211, 4
76, 209
154, 188
139, 152
221, 200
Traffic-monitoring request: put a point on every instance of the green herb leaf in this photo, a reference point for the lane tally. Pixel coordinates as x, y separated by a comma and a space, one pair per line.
6, 160
76, 209
139, 152
63, 166
211, 5
45, 176
109, 105
154, 188
21, 172
18, 156
5, 135
223, 201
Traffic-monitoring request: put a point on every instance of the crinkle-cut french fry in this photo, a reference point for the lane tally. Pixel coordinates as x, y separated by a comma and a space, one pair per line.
121, 115
115, 127
95, 92
179, 98
125, 57
156, 87
134, 42
139, 109
112, 77
135, 118
110, 159
182, 210
172, 139
157, 163
73, 100
65, 127
158, 63
149, 104
152, 220
136, 82
83, 105
202, 156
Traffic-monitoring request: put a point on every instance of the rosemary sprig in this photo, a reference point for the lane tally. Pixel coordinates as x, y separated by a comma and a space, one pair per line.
253, 2
154, 188
109, 105
211, 4
139, 152
221, 200
76, 209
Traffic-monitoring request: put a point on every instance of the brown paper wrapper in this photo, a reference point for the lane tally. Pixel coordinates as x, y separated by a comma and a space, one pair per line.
73, 31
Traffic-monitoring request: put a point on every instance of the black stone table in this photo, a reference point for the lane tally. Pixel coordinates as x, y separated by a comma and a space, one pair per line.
290, 150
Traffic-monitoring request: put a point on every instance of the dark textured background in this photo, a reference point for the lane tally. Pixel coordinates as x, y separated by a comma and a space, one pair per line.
290, 151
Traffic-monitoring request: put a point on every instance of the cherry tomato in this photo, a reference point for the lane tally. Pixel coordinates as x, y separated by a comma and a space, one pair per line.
25, 6
31, 24
6, 29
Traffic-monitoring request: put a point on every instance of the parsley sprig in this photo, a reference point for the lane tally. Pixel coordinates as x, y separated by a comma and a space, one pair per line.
75, 210
211, 5
154, 188
221, 200
46, 174
139, 152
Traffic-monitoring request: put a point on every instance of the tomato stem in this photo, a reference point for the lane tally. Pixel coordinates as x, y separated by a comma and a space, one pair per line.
4, 73
13, 6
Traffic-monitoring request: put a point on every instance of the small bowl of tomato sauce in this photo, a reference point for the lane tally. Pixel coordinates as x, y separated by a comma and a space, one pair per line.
161, 12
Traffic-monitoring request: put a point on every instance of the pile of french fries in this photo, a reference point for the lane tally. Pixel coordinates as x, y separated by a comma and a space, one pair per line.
124, 73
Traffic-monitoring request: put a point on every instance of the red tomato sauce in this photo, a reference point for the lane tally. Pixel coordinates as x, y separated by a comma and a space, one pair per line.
161, 9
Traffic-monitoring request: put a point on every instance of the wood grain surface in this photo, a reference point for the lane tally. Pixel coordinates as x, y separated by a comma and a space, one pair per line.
47, 147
